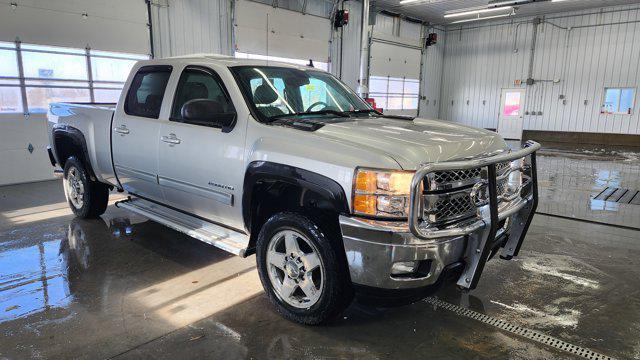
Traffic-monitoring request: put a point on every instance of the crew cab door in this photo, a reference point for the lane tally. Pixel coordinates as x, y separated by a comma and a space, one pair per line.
135, 132
200, 163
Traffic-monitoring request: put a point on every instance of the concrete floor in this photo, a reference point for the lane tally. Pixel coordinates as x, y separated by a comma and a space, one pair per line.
124, 287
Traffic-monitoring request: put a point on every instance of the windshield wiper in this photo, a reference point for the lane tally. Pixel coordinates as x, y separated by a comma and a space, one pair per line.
364, 111
325, 112
319, 112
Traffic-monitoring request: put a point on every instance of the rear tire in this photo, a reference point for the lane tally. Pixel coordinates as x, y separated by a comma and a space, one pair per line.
302, 269
87, 198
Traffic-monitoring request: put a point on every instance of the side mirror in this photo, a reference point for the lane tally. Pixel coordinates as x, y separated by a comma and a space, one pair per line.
207, 112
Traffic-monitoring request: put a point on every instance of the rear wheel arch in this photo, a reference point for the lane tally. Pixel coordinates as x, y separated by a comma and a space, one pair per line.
271, 187
69, 141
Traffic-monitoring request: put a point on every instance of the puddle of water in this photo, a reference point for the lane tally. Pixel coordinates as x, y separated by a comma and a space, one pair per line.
549, 317
32, 279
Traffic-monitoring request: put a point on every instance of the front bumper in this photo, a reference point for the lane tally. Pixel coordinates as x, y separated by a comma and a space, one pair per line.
373, 247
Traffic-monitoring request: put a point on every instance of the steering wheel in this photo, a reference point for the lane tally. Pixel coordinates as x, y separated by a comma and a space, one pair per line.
316, 104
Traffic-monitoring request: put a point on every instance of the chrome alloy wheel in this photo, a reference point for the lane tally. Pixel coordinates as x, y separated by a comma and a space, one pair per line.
74, 188
295, 269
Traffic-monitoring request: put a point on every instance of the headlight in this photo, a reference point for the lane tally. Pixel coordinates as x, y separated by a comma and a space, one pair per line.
382, 193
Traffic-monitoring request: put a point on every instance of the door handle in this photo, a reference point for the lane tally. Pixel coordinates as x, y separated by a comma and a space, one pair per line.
122, 129
171, 139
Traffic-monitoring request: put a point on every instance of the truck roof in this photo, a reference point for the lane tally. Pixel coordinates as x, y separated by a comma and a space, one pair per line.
224, 60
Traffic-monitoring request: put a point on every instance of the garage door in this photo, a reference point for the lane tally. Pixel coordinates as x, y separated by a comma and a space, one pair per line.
394, 74
290, 34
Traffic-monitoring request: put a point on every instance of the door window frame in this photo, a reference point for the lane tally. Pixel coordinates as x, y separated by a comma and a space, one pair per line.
216, 77
148, 69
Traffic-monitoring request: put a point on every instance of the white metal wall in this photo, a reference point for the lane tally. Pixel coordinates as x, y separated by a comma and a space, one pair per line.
432, 67
192, 26
587, 51
345, 47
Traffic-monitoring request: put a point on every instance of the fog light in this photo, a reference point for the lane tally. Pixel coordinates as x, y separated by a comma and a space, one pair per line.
404, 267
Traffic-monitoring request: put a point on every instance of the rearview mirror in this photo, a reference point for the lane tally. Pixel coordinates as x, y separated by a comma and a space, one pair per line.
207, 112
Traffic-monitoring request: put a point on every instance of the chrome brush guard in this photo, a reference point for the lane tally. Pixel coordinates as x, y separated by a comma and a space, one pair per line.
487, 227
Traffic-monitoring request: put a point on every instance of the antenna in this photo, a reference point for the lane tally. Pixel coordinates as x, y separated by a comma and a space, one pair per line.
267, 38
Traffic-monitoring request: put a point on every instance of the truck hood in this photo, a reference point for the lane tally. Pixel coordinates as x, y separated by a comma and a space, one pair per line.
416, 142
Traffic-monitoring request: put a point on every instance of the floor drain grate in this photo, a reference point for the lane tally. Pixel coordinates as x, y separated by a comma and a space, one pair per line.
519, 330
623, 196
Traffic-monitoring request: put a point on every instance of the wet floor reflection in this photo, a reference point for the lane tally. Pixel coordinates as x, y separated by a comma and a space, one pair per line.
33, 279
569, 184
131, 278
123, 285
36, 277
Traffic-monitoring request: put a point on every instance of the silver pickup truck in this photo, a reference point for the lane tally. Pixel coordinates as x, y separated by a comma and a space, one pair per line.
335, 198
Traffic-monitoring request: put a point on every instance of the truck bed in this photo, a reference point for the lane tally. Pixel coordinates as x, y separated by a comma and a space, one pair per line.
93, 120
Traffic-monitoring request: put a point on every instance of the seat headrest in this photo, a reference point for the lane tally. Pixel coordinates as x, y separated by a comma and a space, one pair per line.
196, 90
264, 95
153, 101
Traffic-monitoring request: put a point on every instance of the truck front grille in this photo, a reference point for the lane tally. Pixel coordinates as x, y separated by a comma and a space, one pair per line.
453, 176
442, 208
448, 197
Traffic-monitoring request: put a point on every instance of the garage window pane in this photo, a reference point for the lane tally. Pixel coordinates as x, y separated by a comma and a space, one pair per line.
10, 100
410, 103
8, 63
99, 53
27, 47
56, 83
396, 86
378, 84
394, 103
108, 69
59, 66
381, 101
107, 95
411, 87
39, 98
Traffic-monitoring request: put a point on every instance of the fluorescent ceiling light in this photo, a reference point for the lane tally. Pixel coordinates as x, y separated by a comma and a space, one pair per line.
480, 18
509, 2
478, 11
402, 2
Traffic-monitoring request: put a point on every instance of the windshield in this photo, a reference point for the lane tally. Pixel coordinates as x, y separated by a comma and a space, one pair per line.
276, 92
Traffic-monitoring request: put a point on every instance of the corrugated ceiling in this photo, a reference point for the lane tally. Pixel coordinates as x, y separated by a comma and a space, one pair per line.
434, 10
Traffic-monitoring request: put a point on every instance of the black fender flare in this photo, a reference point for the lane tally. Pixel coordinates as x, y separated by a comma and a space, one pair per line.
77, 139
259, 171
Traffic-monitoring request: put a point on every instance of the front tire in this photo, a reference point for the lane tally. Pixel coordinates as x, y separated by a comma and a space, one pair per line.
87, 199
302, 269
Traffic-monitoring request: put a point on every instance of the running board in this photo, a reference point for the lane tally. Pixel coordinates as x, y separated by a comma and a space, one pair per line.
226, 239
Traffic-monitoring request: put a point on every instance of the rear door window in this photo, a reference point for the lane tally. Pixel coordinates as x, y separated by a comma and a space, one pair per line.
145, 94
